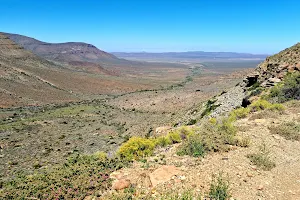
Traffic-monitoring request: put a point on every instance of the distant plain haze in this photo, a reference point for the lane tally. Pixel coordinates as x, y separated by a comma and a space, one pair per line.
158, 25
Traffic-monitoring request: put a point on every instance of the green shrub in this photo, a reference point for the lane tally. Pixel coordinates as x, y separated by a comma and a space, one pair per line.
289, 130
219, 188
211, 137
277, 107
289, 89
239, 114
260, 104
262, 158
136, 148
174, 137
263, 104
163, 141
193, 146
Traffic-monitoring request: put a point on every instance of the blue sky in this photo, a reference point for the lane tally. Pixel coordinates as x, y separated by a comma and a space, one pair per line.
256, 26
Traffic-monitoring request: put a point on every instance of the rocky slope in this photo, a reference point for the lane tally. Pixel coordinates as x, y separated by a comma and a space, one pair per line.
16, 74
267, 74
275, 67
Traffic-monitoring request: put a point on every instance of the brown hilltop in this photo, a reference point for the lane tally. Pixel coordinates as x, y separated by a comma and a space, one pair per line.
28, 79
66, 52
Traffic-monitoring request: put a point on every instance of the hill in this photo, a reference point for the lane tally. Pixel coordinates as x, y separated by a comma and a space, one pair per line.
66, 52
29, 79
241, 144
18, 82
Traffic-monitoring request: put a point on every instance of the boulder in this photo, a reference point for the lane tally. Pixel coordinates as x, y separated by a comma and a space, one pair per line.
121, 184
163, 174
274, 80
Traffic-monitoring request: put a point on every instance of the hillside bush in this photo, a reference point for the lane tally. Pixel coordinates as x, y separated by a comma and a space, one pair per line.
289, 89
239, 114
219, 188
163, 141
262, 158
263, 104
136, 148
193, 147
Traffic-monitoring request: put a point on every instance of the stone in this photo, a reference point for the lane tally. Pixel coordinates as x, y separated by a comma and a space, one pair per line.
297, 67
183, 178
116, 175
277, 137
260, 121
260, 187
249, 174
274, 80
163, 174
121, 184
163, 130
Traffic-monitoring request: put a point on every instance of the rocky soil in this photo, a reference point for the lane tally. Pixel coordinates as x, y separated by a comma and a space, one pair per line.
167, 172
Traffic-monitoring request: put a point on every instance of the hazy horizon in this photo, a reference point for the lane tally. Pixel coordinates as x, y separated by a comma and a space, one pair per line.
158, 26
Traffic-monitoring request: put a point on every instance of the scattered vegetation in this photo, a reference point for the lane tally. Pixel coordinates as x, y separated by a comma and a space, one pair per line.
212, 136
193, 147
262, 159
219, 188
262, 104
209, 107
81, 175
289, 130
289, 89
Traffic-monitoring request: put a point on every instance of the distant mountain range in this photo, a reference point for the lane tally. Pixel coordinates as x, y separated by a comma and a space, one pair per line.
188, 55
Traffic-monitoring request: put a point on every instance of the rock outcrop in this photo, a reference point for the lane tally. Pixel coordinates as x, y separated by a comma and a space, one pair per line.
275, 67
267, 74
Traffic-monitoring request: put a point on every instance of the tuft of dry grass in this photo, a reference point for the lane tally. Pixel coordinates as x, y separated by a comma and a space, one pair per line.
289, 130
262, 158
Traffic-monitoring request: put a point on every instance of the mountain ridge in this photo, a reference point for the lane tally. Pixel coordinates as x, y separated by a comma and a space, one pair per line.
65, 52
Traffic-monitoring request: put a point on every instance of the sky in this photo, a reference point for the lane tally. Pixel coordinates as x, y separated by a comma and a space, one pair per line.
256, 26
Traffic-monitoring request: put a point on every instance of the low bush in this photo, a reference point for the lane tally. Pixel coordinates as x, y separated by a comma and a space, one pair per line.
193, 146
239, 113
174, 137
263, 104
289, 130
163, 141
136, 148
219, 188
289, 89
260, 104
262, 158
